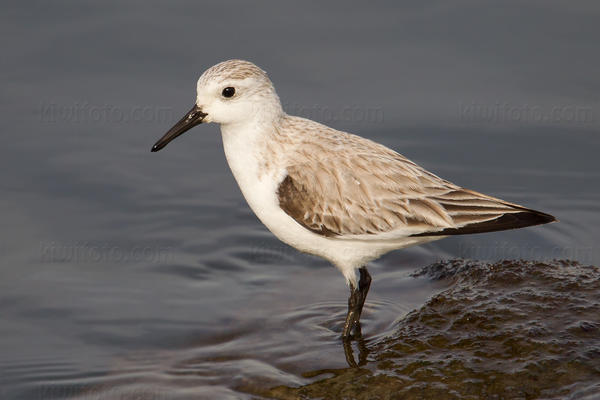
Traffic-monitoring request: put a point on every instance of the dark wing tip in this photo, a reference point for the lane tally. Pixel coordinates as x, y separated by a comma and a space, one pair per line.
507, 221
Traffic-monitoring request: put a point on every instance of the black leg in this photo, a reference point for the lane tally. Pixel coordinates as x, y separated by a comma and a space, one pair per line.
356, 302
351, 315
364, 284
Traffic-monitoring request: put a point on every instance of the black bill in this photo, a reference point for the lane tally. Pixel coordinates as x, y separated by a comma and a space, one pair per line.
189, 120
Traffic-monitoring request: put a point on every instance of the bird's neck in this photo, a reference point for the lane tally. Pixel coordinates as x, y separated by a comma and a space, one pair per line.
252, 147
254, 130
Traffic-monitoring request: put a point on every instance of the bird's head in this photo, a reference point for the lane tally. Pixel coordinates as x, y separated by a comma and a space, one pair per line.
231, 92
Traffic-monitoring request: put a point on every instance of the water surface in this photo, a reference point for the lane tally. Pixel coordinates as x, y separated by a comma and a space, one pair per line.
126, 274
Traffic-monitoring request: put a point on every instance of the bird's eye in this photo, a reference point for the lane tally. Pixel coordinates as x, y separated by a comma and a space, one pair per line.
228, 91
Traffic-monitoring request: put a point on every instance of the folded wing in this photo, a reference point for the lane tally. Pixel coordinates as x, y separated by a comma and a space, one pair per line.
379, 194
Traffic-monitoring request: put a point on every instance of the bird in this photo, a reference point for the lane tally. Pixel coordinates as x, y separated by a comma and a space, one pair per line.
330, 193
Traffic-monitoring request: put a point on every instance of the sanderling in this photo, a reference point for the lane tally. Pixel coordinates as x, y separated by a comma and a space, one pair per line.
330, 193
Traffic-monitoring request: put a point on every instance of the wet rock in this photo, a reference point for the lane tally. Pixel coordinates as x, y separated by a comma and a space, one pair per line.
509, 330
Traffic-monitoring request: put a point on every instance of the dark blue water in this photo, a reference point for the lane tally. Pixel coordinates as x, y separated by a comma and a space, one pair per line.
125, 273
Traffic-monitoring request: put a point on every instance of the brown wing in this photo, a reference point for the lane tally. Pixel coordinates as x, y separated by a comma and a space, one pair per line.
389, 196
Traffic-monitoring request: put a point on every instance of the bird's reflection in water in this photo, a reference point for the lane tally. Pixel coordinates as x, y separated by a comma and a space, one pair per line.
361, 345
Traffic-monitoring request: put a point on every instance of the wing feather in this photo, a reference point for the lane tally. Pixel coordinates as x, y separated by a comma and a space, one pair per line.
365, 189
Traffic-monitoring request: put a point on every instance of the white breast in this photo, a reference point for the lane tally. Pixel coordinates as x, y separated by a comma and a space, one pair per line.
244, 156
258, 180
